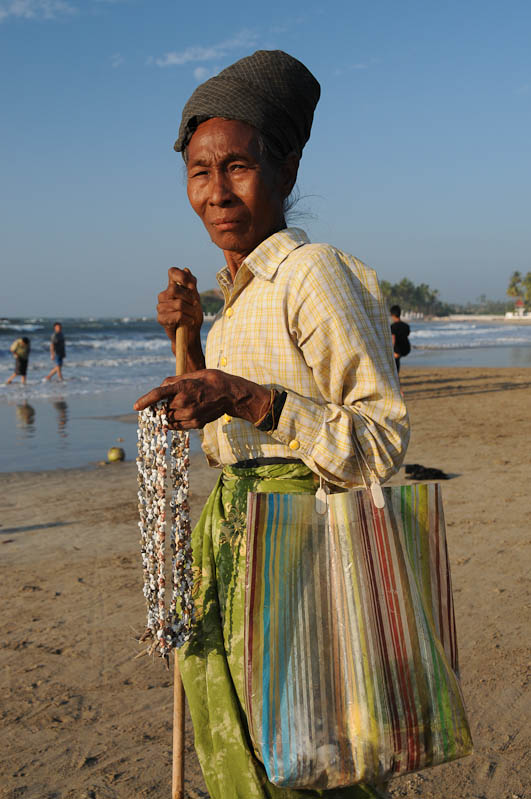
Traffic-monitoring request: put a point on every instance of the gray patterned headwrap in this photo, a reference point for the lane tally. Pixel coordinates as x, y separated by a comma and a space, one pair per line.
269, 89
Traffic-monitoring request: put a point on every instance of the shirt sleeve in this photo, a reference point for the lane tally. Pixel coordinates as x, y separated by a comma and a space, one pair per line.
359, 430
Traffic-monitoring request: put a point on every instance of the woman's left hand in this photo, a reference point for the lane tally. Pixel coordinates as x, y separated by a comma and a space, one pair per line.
197, 398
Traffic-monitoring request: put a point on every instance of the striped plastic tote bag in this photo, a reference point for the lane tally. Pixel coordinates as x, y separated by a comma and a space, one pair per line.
350, 644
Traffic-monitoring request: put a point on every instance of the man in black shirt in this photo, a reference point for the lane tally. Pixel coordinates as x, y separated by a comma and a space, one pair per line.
57, 351
400, 334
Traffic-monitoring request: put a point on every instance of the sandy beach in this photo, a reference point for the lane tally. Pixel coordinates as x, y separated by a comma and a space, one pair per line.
82, 719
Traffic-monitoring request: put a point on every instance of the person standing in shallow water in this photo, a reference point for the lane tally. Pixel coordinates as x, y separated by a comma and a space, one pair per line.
57, 351
20, 350
298, 376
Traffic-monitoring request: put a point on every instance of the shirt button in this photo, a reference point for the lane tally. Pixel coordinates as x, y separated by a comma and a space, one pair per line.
294, 444
227, 418
229, 312
223, 361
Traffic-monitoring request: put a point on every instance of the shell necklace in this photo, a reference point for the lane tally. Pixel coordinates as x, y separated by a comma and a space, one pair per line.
167, 627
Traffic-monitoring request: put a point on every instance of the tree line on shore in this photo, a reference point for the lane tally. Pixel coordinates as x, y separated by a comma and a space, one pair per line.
422, 298
519, 288
418, 299
425, 300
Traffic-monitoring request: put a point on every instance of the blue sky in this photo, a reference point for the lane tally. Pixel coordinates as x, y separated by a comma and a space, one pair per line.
419, 161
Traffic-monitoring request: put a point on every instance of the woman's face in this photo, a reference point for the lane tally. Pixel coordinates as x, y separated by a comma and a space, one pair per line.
233, 187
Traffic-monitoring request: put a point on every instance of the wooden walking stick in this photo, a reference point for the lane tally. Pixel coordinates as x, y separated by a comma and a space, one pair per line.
177, 783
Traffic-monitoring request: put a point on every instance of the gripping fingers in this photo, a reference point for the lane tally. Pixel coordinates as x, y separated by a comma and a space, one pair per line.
168, 391
181, 281
181, 276
152, 397
177, 423
175, 313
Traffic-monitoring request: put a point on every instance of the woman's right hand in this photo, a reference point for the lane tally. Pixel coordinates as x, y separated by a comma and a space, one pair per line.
179, 304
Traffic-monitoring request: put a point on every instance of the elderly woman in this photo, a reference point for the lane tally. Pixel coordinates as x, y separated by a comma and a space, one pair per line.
298, 380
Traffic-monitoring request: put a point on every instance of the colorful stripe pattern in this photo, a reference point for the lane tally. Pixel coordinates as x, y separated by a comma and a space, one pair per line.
350, 645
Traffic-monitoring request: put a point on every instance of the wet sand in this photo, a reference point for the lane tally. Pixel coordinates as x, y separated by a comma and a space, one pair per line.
81, 718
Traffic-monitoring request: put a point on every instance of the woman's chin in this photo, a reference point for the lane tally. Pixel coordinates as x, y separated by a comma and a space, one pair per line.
230, 240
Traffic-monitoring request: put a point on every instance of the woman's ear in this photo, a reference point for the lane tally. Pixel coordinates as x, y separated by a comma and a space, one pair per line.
288, 173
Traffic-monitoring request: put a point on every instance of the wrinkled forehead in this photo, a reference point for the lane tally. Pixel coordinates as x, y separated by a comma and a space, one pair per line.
219, 138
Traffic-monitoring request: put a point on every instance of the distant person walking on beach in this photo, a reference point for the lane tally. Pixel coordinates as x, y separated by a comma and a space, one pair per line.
57, 351
400, 333
21, 350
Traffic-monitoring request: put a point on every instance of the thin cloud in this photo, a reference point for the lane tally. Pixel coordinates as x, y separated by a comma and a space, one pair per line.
44, 9
202, 73
117, 60
242, 40
359, 66
36, 9
278, 30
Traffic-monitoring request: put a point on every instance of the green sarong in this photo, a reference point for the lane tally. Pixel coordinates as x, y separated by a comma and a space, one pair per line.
212, 663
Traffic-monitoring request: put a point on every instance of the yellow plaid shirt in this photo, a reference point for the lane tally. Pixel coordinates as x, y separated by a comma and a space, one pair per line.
309, 319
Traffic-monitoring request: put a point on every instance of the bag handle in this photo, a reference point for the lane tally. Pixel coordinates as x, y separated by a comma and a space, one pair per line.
321, 495
375, 487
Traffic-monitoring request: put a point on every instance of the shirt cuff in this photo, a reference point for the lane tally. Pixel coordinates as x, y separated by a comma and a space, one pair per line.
299, 424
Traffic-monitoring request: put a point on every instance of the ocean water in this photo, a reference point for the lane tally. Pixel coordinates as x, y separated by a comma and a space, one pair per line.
111, 362
431, 336
102, 355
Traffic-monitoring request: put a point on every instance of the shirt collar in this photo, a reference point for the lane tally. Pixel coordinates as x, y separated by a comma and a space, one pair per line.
265, 259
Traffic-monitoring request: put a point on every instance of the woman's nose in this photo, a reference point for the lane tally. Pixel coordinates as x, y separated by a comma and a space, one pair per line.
220, 190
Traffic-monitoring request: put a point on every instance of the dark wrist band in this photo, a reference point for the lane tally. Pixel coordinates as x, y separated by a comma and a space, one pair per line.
270, 420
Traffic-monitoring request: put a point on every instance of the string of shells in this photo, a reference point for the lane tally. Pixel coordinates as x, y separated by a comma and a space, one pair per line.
169, 624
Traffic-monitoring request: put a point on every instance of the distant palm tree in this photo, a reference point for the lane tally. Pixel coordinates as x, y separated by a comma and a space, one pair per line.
515, 289
526, 285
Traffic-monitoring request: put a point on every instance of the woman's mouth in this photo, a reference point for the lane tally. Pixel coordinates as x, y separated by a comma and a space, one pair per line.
225, 224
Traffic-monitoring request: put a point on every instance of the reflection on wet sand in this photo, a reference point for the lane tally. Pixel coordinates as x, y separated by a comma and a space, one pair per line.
26, 418
60, 432
62, 417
